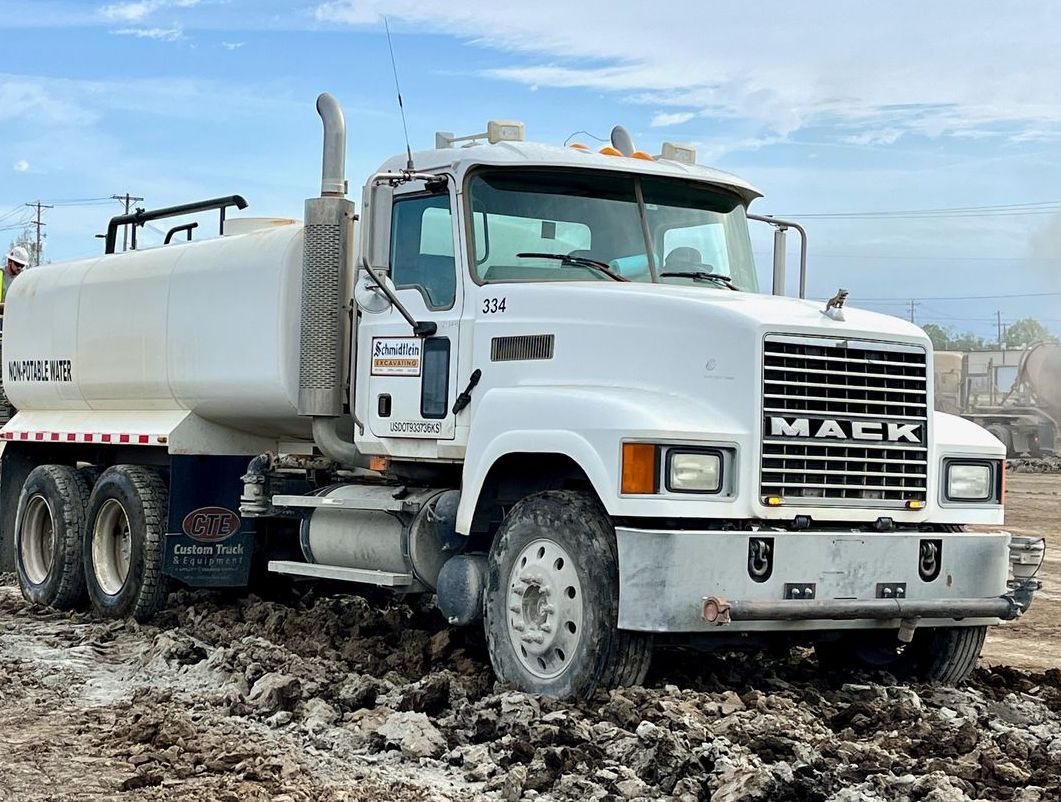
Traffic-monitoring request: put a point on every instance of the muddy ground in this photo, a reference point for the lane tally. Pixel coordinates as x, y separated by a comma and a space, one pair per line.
308, 695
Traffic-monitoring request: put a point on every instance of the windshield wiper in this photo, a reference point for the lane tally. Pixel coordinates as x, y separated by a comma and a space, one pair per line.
581, 261
700, 275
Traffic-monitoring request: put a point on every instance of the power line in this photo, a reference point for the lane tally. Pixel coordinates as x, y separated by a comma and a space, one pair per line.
39, 224
962, 297
128, 200
1001, 210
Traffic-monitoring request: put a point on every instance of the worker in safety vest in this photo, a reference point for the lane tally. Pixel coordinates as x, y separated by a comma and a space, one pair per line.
17, 260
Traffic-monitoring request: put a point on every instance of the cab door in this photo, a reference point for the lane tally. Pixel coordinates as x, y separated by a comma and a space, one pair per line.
411, 380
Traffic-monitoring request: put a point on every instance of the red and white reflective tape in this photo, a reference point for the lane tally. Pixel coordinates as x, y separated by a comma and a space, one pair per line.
87, 437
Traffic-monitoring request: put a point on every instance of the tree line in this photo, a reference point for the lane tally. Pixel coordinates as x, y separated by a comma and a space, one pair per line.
1024, 332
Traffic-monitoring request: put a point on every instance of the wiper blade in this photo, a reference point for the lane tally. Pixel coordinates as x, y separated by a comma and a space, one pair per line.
581, 261
700, 275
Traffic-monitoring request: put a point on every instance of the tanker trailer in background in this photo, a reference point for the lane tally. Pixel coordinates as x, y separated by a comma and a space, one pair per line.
1015, 395
541, 384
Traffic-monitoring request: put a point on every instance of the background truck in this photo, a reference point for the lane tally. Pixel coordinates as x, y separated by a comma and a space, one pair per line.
540, 384
1014, 394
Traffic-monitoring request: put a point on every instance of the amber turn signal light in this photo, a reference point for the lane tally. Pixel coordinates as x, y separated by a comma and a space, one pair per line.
640, 468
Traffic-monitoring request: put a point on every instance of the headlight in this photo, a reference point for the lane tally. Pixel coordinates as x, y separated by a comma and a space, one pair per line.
694, 471
970, 481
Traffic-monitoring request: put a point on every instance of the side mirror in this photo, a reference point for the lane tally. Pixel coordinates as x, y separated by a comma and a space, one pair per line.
367, 294
781, 228
421, 328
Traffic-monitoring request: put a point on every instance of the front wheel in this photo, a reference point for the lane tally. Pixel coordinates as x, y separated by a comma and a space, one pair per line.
552, 600
945, 655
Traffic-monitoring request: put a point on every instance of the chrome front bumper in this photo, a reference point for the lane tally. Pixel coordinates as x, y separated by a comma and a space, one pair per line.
694, 581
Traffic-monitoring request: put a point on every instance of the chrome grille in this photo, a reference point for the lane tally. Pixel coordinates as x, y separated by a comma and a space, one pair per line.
845, 422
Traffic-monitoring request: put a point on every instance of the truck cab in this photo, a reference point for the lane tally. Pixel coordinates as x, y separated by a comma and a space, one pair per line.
543, 384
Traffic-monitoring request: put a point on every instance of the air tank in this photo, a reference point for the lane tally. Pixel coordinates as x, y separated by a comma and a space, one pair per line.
1041, 376
209, 326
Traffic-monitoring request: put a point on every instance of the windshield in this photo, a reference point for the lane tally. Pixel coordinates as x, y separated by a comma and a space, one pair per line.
642, 228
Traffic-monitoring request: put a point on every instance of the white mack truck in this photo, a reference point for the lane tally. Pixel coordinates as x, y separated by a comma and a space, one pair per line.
539, 382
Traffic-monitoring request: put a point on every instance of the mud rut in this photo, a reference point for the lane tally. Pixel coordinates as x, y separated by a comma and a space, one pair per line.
309, 696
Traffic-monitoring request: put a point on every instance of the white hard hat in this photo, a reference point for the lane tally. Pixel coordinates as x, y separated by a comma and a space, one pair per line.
19, 255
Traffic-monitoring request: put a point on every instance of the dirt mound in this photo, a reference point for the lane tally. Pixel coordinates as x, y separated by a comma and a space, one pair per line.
316, 696
1034, 465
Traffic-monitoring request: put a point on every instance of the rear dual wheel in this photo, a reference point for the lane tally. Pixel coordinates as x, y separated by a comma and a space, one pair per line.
122, 549
49, 524
79, 532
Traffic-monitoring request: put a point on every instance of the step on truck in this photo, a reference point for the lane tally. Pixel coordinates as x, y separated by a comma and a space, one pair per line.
538, 382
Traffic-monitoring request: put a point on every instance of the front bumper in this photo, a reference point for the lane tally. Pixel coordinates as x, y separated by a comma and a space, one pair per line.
693, 581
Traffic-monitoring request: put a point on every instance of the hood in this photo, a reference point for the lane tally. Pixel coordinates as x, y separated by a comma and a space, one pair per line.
766, 312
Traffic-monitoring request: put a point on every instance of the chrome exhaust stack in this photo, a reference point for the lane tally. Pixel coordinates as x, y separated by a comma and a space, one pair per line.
325, 340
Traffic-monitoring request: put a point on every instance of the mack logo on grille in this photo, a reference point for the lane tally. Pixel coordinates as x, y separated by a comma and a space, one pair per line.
829, 429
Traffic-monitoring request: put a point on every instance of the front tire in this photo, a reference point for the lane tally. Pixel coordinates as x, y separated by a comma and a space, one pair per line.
946, 655
126, 529
49, 525
552, 600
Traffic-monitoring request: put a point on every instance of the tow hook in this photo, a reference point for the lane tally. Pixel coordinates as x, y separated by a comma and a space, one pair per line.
930, 559
760, 558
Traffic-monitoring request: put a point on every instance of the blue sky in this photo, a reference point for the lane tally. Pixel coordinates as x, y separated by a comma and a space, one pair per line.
831, 107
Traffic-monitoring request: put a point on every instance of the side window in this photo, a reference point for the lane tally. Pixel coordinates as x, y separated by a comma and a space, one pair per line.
422, 248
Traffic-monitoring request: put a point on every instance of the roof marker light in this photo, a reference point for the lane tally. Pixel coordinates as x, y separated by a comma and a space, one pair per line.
608, 150
496, 131
685, 154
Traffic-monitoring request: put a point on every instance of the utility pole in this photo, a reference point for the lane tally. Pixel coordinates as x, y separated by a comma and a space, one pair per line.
39, 224
913, 306
128, 200
998, 317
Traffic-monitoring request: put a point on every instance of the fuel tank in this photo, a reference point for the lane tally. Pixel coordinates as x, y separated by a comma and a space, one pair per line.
209, 326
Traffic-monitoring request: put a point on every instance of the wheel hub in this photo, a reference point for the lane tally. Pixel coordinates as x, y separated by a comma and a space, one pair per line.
37, 539
545, 608
112, 547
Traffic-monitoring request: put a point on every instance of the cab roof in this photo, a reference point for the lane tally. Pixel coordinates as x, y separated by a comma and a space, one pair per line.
534, 154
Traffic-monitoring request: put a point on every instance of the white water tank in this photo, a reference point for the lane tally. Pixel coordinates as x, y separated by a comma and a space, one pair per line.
209, 326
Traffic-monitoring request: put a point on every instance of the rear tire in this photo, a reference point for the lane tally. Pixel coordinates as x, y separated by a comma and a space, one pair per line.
552, 600
1003, 433
126, 530
946, 655
49, 526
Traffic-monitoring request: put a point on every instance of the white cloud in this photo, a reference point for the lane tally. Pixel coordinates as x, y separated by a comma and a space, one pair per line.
28, 100
663, 118
161, 34
232, 45
21, 166
139, 10
906, 67
129, 12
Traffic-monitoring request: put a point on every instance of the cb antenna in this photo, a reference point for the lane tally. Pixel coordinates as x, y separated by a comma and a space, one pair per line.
398, 89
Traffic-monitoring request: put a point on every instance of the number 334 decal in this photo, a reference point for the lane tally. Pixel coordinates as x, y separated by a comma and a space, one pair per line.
492, 306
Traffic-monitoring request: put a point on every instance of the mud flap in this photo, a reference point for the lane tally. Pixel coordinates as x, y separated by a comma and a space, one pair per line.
207, 543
